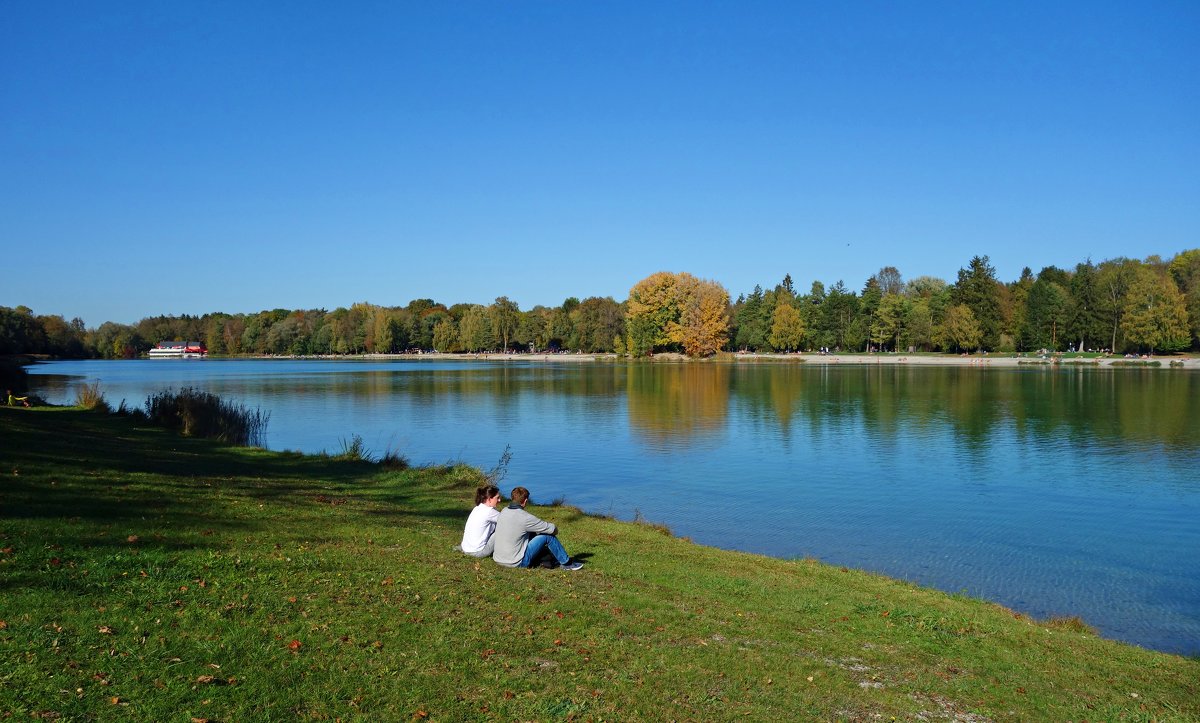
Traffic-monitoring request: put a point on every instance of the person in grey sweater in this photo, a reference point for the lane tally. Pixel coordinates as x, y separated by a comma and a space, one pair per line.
520, 537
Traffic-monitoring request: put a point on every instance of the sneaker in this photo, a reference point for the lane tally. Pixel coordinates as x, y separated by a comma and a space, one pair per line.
572, 565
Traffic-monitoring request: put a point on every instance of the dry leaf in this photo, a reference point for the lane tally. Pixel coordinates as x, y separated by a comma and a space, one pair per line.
295, 645
132, 538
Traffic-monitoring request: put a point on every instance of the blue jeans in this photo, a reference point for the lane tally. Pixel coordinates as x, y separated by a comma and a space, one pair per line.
549, 542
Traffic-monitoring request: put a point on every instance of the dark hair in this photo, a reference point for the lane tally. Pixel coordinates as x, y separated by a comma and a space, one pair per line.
485, 493
519, 495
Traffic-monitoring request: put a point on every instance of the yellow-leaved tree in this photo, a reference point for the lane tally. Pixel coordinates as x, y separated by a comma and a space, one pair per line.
669, 311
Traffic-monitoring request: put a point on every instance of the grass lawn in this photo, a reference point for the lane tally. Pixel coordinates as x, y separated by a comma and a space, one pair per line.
150, 577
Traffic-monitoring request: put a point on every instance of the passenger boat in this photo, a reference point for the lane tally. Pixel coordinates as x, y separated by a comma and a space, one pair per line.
179, 350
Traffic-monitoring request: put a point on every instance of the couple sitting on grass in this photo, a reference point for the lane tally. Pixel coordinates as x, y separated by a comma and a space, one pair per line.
512, 536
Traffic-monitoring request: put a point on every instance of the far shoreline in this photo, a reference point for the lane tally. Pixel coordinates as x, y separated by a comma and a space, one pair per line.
1000, 360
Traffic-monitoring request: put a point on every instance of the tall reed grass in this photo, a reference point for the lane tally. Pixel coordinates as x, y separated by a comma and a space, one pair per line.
197, 413
89, 396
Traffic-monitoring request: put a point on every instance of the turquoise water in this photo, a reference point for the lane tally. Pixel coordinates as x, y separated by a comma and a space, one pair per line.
1050, 491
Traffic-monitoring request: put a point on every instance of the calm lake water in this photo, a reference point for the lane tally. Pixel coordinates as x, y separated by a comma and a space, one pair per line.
1051, 491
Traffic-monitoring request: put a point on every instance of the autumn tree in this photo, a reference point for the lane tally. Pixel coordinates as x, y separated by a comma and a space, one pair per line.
669, 311
787, 328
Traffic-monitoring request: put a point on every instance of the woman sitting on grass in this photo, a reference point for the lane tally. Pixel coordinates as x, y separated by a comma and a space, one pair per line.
477, 538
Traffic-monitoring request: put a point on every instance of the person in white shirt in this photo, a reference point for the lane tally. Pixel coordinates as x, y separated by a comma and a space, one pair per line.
477, 538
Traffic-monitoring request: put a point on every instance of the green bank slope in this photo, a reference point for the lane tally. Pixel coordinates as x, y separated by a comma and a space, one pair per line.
145, 576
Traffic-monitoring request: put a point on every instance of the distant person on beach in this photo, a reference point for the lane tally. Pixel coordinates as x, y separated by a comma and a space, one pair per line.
479, 535
521, 537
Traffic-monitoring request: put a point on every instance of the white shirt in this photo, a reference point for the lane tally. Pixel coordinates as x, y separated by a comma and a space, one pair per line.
480, 526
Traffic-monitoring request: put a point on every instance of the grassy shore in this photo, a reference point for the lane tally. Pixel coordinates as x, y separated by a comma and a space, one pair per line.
146, 576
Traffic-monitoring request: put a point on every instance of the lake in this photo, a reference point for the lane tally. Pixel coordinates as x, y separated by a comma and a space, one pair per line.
1053, 491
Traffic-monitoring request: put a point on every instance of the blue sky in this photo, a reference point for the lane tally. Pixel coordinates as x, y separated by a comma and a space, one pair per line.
170, 158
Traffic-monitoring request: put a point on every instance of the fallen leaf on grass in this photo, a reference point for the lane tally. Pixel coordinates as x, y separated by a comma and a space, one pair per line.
3, 625
105, 630
132, 538
295, 645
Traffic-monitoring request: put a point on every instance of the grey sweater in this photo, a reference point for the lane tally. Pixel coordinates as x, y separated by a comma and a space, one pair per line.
514, 528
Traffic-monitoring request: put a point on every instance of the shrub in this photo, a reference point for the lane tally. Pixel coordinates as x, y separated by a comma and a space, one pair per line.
394, 460
197, 413
354, 449
90, 397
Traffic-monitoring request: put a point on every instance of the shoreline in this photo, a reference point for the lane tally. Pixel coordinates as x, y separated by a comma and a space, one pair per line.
886, 359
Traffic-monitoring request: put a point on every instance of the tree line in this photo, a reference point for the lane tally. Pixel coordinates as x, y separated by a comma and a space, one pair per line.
1120, 305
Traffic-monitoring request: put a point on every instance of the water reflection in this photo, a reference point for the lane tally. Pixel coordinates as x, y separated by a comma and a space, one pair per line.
677, 403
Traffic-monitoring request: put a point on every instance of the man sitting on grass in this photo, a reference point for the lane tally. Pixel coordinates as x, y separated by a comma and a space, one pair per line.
521, 537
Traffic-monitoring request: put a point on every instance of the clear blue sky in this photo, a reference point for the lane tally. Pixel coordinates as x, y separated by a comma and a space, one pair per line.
169, 158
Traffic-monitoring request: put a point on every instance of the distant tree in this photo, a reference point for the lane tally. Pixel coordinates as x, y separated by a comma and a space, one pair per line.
505, 317
859, 333
925, 287
816, 294
231, 334
1114, 278
474, 329
1155, 312
532, 330
652, 312
1018, 295
890, 317
787, 328
445, 335
753, 321
919, 325
889, 281
786, 284
976, 289
1185, 270
1046, 314
838, 312
1084, 320
598, 321
704, 321
960, 330
668, 311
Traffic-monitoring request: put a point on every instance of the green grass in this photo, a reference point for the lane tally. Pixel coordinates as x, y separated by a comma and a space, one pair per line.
147, 576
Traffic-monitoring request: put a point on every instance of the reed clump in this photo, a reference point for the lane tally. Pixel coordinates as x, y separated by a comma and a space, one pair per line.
196, 413
91, 397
